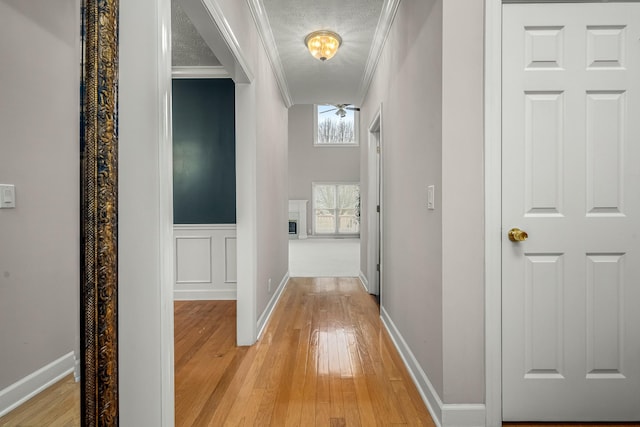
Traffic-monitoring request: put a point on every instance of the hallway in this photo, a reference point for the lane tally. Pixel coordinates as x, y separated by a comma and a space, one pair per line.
324, 359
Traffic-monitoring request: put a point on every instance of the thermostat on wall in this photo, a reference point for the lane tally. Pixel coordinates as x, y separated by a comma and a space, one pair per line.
7, 196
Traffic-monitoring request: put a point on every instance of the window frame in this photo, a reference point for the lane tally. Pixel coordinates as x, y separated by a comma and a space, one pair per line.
356, 125
337, 225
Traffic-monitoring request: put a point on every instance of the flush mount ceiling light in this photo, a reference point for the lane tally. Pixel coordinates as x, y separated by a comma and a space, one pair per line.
323, 44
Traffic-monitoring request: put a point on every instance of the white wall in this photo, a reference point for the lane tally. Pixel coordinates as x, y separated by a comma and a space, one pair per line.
429, 81
271, 141
408, 84
39, 153
463, 201
308, 164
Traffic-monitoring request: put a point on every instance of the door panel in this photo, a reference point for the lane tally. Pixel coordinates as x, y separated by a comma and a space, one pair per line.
571, 180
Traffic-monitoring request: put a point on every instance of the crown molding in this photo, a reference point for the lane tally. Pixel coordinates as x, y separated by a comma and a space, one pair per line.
387, 16
264, 29
199, 72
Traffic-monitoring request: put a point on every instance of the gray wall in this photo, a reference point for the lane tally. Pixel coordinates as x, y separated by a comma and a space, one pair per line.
429, 82
39, 153
308, 164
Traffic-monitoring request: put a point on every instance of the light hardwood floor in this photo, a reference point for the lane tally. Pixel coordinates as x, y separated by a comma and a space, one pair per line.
57, 406
324, 359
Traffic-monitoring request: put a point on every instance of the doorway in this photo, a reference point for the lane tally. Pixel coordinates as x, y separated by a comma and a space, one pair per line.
374, 208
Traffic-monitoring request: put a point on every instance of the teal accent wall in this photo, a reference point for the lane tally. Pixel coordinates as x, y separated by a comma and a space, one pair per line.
204, 144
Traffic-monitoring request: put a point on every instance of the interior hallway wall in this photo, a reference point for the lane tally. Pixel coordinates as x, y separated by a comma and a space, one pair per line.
429, 82
308, 164
39, 153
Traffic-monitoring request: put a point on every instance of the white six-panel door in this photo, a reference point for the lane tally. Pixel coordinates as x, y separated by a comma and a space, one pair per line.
571, 180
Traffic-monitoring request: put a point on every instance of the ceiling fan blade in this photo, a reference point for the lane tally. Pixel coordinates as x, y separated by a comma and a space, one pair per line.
328, 111
352, 108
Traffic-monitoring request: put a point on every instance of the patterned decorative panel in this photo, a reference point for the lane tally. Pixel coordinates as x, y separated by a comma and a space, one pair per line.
605, 315
605, 46
543, 47
543, 311
605, 151
544, 123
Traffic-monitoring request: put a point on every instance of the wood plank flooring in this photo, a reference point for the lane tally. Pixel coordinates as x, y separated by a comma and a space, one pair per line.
323, 360
57, 406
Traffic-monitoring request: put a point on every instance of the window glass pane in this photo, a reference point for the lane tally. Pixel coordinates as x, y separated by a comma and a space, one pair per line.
335, 128
324, 196
348, 222
325, 221
348, 196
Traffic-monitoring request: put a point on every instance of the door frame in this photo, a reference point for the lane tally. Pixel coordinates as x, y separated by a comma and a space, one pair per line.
493, 210
374, 196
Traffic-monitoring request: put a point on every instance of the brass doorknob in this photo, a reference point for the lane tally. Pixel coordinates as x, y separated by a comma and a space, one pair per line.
517, 235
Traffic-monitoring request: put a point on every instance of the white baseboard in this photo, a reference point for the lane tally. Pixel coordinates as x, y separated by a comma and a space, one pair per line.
443, 414
204, 294
266, 314
21, 391
364, 281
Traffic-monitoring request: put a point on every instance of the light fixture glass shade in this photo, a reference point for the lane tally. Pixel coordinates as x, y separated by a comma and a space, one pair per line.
323, 44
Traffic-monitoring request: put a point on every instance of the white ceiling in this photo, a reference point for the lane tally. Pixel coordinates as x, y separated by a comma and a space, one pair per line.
344, 79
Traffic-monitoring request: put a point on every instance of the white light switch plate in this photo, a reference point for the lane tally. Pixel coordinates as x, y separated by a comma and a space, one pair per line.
431, 196
7, 196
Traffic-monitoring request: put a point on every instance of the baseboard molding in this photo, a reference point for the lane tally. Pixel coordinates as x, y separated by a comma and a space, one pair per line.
21, 391
266, 314
364, 281
204, 294
444, 415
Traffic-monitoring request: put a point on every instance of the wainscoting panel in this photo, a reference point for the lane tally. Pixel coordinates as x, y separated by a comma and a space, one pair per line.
205, 261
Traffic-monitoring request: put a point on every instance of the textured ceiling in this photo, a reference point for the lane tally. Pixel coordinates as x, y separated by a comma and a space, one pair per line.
187, 47
304, 79
334, 81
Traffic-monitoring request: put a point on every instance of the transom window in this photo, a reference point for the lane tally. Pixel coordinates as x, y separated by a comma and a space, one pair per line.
336, 208
331, 129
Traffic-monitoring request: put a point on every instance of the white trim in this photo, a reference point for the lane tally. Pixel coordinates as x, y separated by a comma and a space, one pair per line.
266, 35
364, 281
246, 214
205, 294
207, 17
165, 212
374, 168
217, 227
268, 311
385, 22
200, 72
443, 414
493, 211
21, 391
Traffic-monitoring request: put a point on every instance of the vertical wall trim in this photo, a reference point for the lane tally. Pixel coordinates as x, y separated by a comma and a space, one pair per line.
247, 214
165, 179
493, 211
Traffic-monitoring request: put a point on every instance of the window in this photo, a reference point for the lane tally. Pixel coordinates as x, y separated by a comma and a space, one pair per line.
336, 208
330, 129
